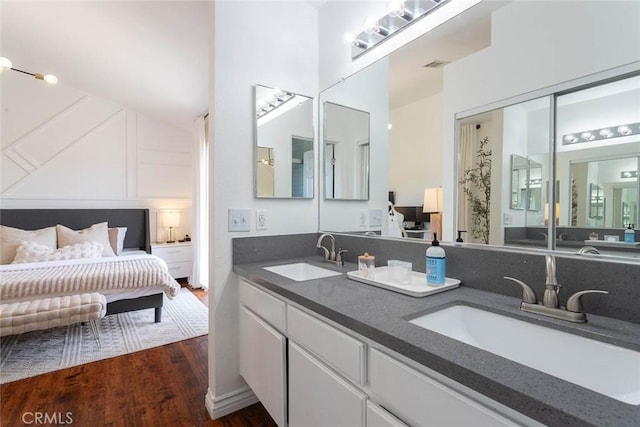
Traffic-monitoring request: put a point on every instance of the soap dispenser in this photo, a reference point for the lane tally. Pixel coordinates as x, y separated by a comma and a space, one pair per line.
436, 263
630, 234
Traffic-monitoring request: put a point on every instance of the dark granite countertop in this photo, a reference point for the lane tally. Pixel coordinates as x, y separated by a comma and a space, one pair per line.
381, 316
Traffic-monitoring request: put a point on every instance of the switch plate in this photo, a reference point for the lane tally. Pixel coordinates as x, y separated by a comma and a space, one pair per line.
363, 218
239, 219
375, 218
261, 219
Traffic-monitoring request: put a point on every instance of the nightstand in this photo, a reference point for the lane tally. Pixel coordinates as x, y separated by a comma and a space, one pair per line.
178, 256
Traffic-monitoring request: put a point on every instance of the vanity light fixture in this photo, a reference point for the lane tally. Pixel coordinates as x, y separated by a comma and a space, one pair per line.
6, 64
602, 133
628, 174
401, 13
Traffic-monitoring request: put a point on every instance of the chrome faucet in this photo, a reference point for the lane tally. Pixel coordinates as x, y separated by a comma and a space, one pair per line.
573, 312
588, 250
330, 255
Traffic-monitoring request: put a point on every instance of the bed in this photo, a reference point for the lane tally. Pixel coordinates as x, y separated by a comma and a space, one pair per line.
128, 280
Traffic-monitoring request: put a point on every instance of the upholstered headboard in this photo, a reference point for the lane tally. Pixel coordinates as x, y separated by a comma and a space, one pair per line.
136, 221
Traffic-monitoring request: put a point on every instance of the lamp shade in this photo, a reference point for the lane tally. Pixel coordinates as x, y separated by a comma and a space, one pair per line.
432, 200
170, 219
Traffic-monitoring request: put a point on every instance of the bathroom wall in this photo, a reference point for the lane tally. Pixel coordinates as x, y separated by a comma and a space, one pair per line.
533, 46
274, 44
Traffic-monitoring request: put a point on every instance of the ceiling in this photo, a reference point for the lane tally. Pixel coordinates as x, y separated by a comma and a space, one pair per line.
152, 57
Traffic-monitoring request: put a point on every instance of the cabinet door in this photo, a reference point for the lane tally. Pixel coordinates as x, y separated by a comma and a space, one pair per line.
378, 417
318, 396
262, 363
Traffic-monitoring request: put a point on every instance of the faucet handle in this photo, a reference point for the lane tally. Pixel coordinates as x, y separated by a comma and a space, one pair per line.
339, 255
528, 294
574, 303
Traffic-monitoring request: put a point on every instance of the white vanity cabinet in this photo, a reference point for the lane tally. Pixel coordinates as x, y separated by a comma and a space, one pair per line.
332, 377
263, 350
318, 396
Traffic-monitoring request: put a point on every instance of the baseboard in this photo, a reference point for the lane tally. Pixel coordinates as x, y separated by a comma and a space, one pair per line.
219, 406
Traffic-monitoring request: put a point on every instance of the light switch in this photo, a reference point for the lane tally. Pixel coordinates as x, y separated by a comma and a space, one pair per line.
239, 219
375, 218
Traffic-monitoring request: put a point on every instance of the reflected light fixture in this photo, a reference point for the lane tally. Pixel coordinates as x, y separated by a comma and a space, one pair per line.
170, 219
6, 64
602, 133
278, 99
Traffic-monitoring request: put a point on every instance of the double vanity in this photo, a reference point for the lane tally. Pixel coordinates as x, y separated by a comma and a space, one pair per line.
318, 348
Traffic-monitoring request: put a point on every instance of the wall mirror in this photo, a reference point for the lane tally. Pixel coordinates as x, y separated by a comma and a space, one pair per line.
346, 152
284, 153
596, 149
403, 95
526, 183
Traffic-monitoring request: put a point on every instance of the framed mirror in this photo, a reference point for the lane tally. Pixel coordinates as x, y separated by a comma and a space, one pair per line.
346, 152
284, 144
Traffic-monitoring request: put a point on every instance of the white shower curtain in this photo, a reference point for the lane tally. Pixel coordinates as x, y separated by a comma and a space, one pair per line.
200, 206
467, 149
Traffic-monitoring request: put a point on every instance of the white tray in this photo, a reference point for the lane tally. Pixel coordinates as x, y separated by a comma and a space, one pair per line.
417, 288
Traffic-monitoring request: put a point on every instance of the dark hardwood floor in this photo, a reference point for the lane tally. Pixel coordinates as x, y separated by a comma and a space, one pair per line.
162, 386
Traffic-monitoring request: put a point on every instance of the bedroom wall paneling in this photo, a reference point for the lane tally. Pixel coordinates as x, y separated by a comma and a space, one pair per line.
286, 58
61, 143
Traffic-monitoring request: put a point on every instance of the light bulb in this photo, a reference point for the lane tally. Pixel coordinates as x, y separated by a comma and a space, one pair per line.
389, 126
370, 26
51, 79
587, 136
606, 133
571, 139
350, 38
396, 8
5, 64
624, 130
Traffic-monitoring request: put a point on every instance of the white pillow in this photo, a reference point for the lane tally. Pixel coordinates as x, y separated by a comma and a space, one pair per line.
35, 252
116, 239
97, 232
11, 237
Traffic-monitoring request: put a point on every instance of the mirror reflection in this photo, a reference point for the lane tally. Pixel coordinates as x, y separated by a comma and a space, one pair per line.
596, 191
284, 144
346, 152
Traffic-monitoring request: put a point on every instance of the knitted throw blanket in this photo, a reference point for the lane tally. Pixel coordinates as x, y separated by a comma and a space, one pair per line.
103, 275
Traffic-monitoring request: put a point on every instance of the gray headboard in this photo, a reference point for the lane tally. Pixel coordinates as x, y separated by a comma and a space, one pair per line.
136, 221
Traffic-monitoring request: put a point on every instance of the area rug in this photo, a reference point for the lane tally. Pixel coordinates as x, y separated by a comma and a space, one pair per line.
38, 352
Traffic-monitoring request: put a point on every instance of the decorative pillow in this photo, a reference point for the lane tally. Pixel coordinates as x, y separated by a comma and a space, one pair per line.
35, 252
97, 232
11, 237
116, 239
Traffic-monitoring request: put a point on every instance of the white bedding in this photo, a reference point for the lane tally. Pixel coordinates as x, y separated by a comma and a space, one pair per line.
107, 275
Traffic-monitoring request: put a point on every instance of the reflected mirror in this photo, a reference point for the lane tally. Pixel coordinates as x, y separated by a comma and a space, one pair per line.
526, 184
283, 144
346, 152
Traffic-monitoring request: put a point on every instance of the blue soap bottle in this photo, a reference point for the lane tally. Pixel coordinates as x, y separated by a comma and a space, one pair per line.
436, 263
630, 234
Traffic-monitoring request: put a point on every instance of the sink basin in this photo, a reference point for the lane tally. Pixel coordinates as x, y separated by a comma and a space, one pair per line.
604, 368
301, 271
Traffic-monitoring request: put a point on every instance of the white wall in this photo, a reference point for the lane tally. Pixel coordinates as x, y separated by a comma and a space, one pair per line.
62, 147
415, 149
254, 42
534, 47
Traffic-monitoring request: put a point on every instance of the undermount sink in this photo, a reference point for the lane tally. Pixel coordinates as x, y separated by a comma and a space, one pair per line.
604, 368
301, 271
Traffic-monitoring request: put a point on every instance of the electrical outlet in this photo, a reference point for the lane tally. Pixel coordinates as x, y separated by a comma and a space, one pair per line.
239, 219
261, 219
363, 218
375, 218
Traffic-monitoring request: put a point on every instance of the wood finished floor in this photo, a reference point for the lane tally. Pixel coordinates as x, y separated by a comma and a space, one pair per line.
162, 386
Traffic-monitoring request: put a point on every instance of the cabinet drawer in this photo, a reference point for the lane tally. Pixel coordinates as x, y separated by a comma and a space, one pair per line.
420, 400
173, 254
339, 350
270, 309
180, 269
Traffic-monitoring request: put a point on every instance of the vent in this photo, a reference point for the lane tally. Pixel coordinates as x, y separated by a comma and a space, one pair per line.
436, 64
